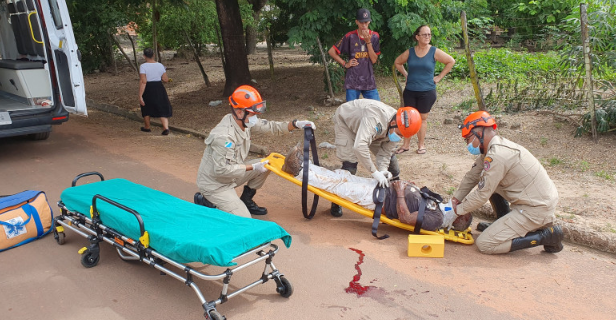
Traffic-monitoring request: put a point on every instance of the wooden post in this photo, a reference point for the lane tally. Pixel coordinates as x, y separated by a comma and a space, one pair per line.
589, 84
471, 63
329, 80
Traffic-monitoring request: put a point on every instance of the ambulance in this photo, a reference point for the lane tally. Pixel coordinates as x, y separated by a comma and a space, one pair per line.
41, 80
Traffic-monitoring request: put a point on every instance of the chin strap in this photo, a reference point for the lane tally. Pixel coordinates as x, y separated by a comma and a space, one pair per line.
243, 119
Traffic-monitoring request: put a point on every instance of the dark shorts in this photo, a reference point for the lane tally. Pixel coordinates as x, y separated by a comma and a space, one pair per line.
420, 100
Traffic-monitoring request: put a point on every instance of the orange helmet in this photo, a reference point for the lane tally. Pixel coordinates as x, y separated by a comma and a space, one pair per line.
408, 121
477, 119
247, 97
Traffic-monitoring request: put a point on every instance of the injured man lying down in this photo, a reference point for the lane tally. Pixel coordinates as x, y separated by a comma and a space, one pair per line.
359, 190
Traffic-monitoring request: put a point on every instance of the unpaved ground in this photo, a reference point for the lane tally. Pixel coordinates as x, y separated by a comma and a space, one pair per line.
583, 171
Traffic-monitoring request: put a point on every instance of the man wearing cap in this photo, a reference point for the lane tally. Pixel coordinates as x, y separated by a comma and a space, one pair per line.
362, 48
224, 166
507, 169
366, 126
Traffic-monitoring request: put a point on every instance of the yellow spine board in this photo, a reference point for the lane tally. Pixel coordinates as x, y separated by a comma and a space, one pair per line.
276, 161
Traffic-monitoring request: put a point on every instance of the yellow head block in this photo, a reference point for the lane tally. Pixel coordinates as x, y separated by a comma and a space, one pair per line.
430, 246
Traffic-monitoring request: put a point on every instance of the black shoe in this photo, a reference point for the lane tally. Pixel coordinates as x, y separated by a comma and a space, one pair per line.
336, 210
481, 226
165, 132
145, 130
253, 208
201, 200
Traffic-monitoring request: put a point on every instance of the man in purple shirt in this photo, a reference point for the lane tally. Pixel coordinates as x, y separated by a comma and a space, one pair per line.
362, 48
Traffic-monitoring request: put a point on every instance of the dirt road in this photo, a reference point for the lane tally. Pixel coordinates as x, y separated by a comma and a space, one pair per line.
44, 279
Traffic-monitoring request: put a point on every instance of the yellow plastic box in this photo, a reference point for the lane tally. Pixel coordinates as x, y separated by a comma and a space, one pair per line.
429, 246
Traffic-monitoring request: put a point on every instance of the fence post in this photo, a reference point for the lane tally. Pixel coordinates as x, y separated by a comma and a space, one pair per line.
471, 63
589, 84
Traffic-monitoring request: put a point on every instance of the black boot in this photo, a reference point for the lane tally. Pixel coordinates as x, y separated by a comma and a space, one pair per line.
551, 239
336, 210
481, 226
246, 197
200, 199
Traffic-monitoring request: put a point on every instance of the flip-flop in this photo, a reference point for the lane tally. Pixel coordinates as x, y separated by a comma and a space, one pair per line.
401, 150
421, 150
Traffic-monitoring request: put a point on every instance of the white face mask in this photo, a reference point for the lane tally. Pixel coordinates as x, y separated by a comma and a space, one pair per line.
252, 121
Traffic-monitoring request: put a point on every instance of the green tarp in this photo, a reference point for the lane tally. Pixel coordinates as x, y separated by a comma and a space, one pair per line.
180, 230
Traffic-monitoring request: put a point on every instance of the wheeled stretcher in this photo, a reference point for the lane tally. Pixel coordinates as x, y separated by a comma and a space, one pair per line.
276, 161
167, 233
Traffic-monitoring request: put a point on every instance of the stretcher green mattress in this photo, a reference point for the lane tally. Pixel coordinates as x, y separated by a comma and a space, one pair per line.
180, 230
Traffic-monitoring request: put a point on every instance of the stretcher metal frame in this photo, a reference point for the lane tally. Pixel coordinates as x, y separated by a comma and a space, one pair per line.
129, 249
276, 161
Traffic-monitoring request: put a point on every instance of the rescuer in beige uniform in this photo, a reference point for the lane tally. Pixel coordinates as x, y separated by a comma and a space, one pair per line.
224, 166
507, 169
367, 126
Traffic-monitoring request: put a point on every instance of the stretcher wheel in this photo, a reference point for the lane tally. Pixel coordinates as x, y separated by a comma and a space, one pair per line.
59, 236
284, 288
89, 259
215, 315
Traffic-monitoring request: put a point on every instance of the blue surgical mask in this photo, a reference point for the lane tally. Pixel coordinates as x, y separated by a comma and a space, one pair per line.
394, 137
252, 121
471, 149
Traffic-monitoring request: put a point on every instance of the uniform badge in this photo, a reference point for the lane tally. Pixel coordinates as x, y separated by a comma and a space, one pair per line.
481, 183
228, 144
378, 128
487, 161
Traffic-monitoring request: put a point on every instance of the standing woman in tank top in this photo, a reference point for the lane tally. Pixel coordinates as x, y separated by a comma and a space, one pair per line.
420, 90
152, 94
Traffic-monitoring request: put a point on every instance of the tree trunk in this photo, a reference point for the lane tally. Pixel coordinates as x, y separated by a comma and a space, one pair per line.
132, 43
117, 43
236, 71
329, 81
154, 40
251, 31
221, 48
588, 67
471, 64
205, 77
270, 55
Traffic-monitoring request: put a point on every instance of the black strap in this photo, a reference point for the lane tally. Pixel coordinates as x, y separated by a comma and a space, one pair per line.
420, 214
309, 142
378, 196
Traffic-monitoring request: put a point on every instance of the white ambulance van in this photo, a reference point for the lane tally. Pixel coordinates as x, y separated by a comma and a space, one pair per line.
40, 70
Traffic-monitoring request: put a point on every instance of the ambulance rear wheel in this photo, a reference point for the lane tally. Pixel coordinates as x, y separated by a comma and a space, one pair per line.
89, 259
215, 315
285, 289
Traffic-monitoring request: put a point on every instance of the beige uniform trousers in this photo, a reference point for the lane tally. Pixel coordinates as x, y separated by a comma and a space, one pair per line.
227, 199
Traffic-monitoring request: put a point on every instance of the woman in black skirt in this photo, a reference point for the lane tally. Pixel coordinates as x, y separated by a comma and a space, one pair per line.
152, 94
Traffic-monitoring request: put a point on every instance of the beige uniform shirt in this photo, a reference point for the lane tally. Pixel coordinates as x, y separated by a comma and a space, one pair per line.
366, 122
226, 149
513, 172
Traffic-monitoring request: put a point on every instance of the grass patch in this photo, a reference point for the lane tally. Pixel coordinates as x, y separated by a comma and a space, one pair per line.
451, 190
554, 161
584, 166
544, 141
605, 175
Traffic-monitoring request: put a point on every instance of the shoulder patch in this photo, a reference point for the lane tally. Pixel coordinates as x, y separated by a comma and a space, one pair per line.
487, 161
228, 144
481, 183
379, 128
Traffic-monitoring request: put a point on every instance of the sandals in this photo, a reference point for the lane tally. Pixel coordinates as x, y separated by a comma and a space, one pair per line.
421, 150
402, 150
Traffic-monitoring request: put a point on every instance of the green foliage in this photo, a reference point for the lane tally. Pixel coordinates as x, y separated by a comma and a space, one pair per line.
336, 75
504, 63
554, 161
195, 18
93, 23
606, 119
